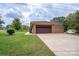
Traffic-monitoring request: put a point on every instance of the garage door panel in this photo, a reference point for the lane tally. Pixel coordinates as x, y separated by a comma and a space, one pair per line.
43, 29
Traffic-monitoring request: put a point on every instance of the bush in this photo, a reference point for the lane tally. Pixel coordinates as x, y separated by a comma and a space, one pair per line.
10, 31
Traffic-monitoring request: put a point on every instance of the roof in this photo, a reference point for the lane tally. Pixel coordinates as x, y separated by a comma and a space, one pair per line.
41, 22
45, 23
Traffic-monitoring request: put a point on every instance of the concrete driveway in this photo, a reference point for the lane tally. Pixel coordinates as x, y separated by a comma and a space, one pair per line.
61, 44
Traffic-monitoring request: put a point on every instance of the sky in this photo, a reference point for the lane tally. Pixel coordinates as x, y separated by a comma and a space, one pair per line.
28, 12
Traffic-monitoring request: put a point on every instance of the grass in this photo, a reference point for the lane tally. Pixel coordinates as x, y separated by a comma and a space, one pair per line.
22, 45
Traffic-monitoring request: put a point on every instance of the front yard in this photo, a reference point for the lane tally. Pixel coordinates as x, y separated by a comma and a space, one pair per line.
20, 44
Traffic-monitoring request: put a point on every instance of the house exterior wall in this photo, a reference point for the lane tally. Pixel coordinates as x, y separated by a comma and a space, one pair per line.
56, 28
34, 29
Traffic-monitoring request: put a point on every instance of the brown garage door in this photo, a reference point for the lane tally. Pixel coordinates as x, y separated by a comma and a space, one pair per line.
43, 29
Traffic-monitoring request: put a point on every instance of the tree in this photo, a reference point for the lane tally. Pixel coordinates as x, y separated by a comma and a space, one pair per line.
59, 19
8, 26
73, 20
1, 22
66, 25
24, 28
16, 24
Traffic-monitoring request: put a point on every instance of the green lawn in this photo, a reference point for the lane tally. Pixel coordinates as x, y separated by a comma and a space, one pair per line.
21, 45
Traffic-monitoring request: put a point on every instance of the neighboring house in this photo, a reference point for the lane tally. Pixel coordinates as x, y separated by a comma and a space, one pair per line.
46, 27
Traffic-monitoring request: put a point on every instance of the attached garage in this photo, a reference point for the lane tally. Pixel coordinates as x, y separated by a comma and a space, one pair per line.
46, 27
43, 29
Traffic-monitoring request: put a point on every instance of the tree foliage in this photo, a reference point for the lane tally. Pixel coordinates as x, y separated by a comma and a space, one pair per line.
8, 26
59, 19
73, 20
24, 28
66, 25
1, 22
16, 24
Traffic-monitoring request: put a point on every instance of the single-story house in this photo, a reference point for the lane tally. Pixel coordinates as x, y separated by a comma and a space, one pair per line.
46, 27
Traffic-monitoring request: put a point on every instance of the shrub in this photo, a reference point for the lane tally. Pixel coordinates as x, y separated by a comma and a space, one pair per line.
10, 31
